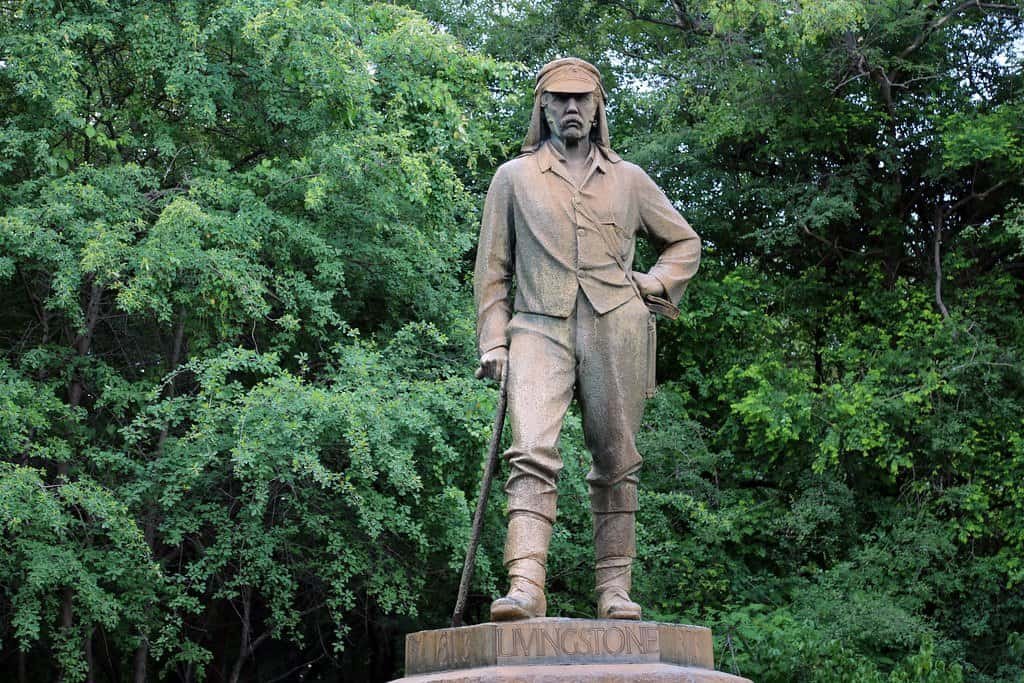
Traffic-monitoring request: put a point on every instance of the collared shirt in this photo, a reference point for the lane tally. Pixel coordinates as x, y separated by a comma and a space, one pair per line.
555, 238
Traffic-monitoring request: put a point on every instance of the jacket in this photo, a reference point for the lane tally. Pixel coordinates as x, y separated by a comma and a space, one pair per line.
552, 238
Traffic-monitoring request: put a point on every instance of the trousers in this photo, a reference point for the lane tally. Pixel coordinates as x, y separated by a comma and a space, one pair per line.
606, 361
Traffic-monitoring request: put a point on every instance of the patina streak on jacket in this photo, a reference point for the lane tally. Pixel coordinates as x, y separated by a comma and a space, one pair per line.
555, 238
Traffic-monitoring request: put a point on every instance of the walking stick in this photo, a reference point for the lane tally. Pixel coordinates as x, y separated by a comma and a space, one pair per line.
481, 504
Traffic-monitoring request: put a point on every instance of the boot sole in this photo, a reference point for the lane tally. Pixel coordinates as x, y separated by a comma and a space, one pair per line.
621, 612
511, 612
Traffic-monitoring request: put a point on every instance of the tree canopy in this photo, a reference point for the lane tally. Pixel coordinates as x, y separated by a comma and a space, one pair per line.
238, 423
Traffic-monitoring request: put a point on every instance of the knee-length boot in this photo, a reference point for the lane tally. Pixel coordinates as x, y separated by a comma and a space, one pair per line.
615, 548
526, 557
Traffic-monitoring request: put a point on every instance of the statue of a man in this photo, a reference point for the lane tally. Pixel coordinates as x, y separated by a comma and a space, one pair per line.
560, 223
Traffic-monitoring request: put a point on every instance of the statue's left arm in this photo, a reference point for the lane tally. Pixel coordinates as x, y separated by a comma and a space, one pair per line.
679, 245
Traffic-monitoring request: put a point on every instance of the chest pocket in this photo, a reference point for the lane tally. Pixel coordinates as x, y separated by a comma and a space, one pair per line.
618, 239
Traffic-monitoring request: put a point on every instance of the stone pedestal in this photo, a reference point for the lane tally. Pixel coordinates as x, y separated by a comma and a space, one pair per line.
563, 650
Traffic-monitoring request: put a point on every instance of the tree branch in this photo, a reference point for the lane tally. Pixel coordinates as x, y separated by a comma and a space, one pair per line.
936, 24
977, 195
684, 21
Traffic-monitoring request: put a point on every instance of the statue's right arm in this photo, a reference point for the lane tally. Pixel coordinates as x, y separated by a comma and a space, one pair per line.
492, 276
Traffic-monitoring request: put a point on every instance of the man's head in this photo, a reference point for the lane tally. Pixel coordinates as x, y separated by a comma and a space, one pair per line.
569, 103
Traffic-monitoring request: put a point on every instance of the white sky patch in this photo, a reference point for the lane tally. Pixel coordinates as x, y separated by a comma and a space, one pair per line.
1015, 54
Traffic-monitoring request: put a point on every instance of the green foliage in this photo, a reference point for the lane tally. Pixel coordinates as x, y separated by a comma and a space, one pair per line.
230, 233
238, 433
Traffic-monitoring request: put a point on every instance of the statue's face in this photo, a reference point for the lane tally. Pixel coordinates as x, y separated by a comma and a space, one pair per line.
570, 116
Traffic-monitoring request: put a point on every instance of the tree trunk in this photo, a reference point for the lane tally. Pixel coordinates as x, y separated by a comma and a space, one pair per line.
819, 363
937, 223
90, 659
139, 663
243, 645
67, 616
67, 613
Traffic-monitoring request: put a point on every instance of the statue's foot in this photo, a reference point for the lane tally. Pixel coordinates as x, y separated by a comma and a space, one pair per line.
614, 603
522, 602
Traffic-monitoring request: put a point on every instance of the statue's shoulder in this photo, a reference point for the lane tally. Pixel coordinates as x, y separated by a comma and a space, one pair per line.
520, 161
516, 167
628, 167
633, 174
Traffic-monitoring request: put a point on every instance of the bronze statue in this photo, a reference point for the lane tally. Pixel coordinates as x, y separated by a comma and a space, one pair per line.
560, 221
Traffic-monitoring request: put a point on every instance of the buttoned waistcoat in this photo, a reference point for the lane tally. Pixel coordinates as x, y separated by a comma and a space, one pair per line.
555, 238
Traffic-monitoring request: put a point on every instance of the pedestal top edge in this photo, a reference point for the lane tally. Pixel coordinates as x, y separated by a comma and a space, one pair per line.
569, 621
596, 673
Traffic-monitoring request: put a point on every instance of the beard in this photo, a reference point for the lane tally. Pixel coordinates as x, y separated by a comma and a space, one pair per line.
572, 133
573, 129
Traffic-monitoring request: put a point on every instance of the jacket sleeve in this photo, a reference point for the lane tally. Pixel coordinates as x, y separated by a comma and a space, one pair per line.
678, 244
492, 277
